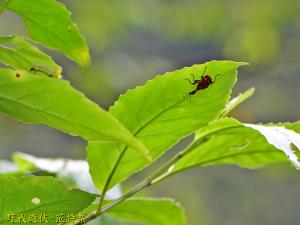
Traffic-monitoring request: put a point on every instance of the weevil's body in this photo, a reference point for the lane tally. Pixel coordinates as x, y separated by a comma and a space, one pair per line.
202, 84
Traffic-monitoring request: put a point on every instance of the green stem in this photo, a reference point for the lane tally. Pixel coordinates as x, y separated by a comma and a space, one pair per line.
106, 185
159, 175
152, 179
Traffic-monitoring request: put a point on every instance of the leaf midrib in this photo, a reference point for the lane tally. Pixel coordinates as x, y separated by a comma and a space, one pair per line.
224, 157
43, 27
59, 117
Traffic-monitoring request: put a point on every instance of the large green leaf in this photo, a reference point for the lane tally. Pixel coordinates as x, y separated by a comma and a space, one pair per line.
53, 102
149, 211
32, 197
227, 141
160, 114
49, 22
17, 53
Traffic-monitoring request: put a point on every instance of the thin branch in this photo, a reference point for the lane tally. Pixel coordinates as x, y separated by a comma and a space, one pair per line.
159, 175
107, 183
152, 179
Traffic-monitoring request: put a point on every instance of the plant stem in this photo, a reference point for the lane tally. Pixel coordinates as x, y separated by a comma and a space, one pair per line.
159, 175
109, 179
154, 178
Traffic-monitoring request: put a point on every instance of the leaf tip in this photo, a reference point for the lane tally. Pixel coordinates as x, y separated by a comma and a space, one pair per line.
243, 63
84, 59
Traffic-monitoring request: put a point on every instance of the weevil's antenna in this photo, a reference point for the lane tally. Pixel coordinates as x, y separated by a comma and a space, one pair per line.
204, 71
216, 77
194, 81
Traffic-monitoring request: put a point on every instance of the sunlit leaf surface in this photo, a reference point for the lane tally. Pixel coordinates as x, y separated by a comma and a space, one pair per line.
227, 141
53, 102
18, 53
160, 113
49, 22
29, 198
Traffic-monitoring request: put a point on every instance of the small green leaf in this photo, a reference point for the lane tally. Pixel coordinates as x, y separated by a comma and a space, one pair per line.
49, 22
17, 53
233, 103
53, 102
23, 164
227, 141
38, 196
160, 114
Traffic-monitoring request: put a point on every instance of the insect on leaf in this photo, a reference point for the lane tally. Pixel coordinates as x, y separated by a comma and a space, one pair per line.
160, 114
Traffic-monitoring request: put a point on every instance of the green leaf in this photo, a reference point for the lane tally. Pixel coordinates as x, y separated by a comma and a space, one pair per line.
160, 114
150, 211
53, 102
49, 22
17, 53
291, 126
227, 141
22, 163
102, 157
233, 103
29, 196
283, 139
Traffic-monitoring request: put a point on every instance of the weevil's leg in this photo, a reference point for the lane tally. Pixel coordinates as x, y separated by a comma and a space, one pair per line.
192, 93
194, 81
216, 77
193, 78
189, 81
190, 97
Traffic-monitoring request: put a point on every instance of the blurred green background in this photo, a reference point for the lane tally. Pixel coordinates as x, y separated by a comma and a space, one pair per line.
132, 41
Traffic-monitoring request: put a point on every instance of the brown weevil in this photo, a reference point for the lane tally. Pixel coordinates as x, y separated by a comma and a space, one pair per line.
203, 83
